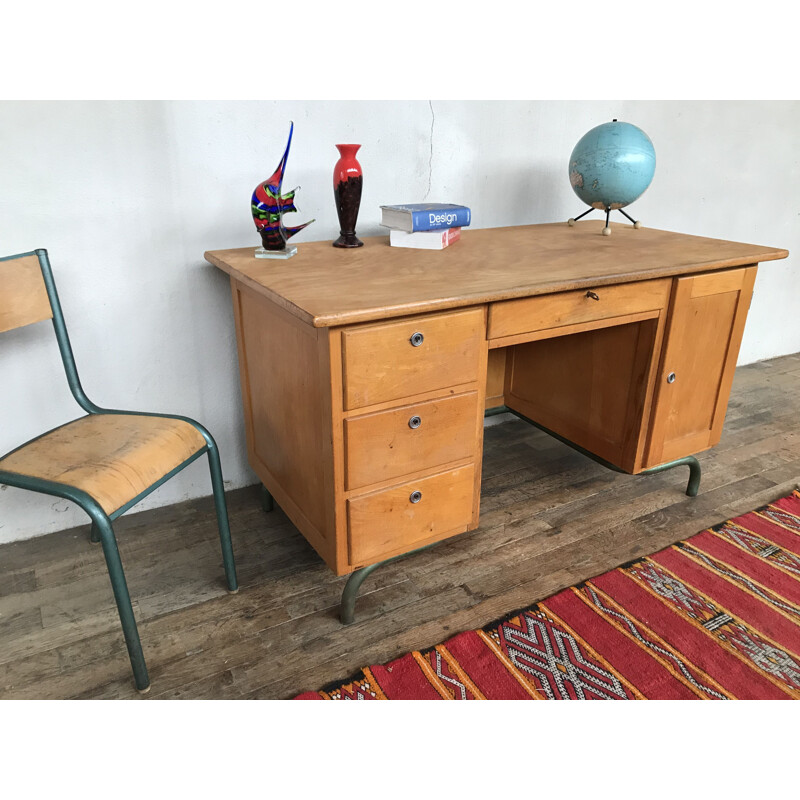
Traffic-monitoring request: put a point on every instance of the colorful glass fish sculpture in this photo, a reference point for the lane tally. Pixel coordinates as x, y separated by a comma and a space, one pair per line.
269, 205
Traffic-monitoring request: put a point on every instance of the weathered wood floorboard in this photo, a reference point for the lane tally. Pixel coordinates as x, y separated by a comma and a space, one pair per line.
549, 517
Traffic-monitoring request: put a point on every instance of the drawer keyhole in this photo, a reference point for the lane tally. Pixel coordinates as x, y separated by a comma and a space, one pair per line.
593, 295
417, 339
415, 497
414, 422
671, 377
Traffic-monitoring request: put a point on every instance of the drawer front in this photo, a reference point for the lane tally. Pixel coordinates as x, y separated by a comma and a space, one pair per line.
529, 314
390, 444
390, 521
421, 354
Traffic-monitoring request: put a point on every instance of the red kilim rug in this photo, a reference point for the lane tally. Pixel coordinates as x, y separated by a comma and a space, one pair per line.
716, 617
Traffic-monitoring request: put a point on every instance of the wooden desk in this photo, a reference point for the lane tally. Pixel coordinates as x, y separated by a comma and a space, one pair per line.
365, 373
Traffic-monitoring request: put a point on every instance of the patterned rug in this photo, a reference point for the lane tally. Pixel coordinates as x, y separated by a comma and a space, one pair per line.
715, 617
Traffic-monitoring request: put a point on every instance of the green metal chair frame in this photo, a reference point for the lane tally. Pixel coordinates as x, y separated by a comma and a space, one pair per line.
102, 530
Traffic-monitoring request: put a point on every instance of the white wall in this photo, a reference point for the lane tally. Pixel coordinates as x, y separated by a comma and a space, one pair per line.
127, 196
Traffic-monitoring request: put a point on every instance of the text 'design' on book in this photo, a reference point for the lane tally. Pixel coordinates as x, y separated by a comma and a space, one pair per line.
425, 216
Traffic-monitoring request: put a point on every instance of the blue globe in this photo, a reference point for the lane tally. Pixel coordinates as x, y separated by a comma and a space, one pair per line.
612, 165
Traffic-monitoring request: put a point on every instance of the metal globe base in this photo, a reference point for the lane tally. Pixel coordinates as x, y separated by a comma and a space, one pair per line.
607, 230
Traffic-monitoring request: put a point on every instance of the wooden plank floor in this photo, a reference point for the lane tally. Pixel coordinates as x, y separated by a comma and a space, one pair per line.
549, 517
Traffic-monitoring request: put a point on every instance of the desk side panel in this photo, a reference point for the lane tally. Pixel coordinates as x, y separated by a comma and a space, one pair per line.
285, 391
496, 378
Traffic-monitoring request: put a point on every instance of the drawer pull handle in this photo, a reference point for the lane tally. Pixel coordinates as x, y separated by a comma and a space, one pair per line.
671, 377
417, 339
415, 497
593, 295
414, 422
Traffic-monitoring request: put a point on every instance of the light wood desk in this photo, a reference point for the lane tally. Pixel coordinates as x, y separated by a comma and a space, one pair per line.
365, 373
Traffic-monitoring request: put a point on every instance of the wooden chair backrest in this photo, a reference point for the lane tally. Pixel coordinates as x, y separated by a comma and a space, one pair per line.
23, 295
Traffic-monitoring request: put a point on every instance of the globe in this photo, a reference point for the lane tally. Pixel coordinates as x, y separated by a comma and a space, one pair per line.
611, 166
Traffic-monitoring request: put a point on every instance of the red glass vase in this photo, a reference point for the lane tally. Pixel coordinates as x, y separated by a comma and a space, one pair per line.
347, 182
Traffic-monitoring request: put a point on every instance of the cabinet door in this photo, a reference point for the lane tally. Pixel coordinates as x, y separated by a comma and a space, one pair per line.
704, 331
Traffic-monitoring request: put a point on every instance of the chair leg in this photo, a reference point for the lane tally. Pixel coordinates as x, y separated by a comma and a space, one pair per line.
222, 518
94, 536
103, 526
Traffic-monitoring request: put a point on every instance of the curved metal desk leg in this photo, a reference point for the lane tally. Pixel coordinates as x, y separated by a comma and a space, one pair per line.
693, 487
123, 600
347, 609
267, 503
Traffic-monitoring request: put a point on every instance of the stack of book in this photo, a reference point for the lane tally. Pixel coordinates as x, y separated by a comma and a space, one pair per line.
425, 226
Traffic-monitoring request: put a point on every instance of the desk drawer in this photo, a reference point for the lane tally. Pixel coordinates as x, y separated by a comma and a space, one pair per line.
420, 354
390, 444
388, 522
529, 314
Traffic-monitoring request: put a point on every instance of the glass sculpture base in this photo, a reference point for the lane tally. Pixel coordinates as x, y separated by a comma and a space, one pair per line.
287, 253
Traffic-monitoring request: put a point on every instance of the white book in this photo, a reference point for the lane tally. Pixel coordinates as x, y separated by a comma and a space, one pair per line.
425, 240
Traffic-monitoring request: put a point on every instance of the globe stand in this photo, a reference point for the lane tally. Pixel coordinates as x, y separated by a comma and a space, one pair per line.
607, 230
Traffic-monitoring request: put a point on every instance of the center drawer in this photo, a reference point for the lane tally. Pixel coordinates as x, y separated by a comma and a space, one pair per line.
400, 359
544, 312
390, 444
392, 521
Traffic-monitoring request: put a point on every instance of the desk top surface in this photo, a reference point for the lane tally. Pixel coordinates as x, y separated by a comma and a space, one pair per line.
326, 286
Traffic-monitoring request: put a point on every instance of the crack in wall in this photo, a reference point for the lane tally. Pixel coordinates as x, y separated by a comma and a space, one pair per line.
430, 157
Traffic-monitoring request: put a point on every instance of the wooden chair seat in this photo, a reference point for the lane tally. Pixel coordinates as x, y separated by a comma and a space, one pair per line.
112, 457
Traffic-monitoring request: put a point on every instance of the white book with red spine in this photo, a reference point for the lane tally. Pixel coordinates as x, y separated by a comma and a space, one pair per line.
425, 240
